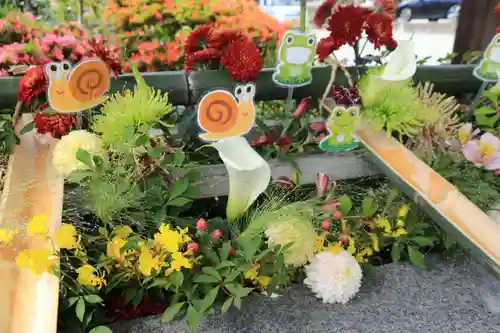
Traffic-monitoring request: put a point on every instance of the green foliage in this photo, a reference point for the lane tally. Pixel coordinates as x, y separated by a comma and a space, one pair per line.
393, 106
8, 138
486, 114
135, 111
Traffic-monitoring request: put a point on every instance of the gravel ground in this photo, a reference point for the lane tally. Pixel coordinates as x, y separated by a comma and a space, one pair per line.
453, 296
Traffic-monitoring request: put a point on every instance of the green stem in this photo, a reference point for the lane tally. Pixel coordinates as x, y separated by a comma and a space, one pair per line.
303, 9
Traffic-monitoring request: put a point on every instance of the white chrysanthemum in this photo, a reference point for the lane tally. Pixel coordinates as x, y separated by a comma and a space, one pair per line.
335, 278
64, 158
296, 230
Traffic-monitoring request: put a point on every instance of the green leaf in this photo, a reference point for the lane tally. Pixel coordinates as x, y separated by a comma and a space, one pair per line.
101, 329
84, 156
416, 257
141, 140
423, 241
193, 318
396, 251
159, 282
179, 157
27, 128
232, 276
49, 110
128, 133
203, 278
250, 246
237, 303
78, 176
209, 299
178, 188
368, 269
238, 290
369, 207
72, 301
224, 251
93, 299
176, 278
345, 204
214, 258
212, 272
225, 264
80, 309
179, 202
171, 311
227, 304
156, 152
192, 192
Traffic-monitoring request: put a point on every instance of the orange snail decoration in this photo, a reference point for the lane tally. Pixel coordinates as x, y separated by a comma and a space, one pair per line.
221, 116
79, 88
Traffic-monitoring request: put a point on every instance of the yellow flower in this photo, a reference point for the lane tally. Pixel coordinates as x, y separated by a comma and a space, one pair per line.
64, 157
335, 248
366, 252
148, 263
7, 235
87, 276
169, 239
179, 261
37, 226
383, 223
36, 261
352, 246
252, 273
66, 237
264, 280
320, 241
123, 231
113, 249
375, 242
399, 232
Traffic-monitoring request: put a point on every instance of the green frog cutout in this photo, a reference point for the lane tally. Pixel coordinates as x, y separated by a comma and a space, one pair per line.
295, 59
489, 68
341, 126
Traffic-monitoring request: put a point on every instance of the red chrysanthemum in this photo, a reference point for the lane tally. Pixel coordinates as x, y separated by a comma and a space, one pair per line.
346, 23
242, 59
221, 39
56, 124
378, 28
323, 11
32, 84
108, 54
199, 34
346, 96
387, 7
326, 46
201, 56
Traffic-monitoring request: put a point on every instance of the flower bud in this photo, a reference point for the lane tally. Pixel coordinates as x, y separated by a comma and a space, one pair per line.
194, 247
231, 252
217, 234
337, 215
303, 107
201, 224
322, 182
325, 225
344, 239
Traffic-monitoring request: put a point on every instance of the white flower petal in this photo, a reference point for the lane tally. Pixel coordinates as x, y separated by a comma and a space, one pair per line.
402, 63
249, 174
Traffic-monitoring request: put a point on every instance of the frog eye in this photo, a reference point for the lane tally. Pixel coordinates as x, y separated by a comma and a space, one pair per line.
353, 113
497, 41
311, 41
289, 40
338, 113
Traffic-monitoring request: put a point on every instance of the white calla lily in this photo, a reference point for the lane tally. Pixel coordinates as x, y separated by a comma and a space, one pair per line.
249, 174
402, 63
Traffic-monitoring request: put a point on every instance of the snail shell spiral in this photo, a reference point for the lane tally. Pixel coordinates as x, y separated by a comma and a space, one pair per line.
218, 112
89, 80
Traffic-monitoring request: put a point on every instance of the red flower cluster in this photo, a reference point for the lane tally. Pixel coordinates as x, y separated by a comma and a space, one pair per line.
346, 25
233, 48
56, 124
32, 84
346, 96
273, 138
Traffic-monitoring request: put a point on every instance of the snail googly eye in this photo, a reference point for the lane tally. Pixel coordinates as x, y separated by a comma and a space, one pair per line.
52, 67
250, 89
238, 91
65, 66
311, 41
289, 40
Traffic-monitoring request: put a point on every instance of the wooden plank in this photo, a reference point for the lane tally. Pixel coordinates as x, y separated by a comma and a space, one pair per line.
338, 166
476, 26
28, 302
450, 79
456, 214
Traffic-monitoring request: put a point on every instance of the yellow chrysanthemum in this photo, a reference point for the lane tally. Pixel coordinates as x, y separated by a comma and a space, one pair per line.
87, 276
383, 223
37, 226
123, 231
169, 239
66, 237
298, 231
7, 235
147, 262
37, 261
399, 232
179, 261
366, 252
64, 158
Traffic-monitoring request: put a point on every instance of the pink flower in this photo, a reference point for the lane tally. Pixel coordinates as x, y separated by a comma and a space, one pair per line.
4, 72
484, 152
67, 41
303, 107
322, 183
58, 54
317, 126
50, 38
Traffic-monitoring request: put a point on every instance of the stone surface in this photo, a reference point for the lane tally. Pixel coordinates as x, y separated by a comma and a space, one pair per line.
454, 296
